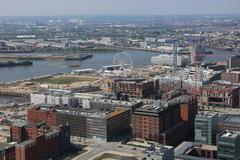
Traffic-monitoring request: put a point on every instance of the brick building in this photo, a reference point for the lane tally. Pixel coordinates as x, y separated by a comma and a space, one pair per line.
220, 96
36, 115
20, 132
42, 147
133, 87
231, 76
83, 122
39, 141
161, 123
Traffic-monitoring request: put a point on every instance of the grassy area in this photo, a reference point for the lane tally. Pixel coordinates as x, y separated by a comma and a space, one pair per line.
62, 80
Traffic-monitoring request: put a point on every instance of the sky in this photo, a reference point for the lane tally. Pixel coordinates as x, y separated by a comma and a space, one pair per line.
117, 7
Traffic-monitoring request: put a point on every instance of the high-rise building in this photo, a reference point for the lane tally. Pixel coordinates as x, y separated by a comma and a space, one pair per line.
206, 127
228, 145
233, 62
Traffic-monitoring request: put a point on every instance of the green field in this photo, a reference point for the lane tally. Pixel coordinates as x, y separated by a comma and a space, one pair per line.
62, 80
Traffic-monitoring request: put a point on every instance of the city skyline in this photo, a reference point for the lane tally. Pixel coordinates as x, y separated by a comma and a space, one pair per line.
124, 7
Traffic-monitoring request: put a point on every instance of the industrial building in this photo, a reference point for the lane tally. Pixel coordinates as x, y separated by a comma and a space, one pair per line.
168, 60
220, 96
206, 127
228, 145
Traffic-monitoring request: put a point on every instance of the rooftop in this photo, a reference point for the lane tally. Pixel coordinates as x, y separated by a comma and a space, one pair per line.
233, 119
184, 149
5, 146
19, 124
230, 134
155, 110
206, 114
218, 85
25, 143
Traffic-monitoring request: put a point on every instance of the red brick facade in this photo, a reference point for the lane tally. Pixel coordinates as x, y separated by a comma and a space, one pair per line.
36, 115
163, 126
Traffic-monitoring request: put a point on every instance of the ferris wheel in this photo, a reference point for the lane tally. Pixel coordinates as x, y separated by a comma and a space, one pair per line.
123, 64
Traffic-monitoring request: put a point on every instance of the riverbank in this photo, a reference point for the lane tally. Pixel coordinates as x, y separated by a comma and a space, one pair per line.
29, 56
15, 63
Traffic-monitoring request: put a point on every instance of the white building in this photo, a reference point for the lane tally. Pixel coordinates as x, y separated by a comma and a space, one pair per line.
53, 96
167, 60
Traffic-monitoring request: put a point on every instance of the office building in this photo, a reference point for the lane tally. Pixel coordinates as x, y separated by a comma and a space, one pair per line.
217, 96
103, 126
228, 145
100, 122
233, 62
206, 127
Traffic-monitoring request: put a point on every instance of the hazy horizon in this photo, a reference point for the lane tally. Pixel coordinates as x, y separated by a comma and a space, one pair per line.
123, 7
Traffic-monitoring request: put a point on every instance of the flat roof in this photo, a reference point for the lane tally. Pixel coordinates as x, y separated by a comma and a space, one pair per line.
233, 119
230, 134
116, 111
206, 114
25, 143
19, 124
5, 146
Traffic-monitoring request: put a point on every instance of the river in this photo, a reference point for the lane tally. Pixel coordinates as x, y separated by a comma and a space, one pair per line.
40, 68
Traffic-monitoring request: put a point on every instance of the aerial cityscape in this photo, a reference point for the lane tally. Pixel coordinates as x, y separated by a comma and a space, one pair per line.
139, 80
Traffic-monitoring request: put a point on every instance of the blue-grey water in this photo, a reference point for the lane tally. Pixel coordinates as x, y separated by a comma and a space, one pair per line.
40, 68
